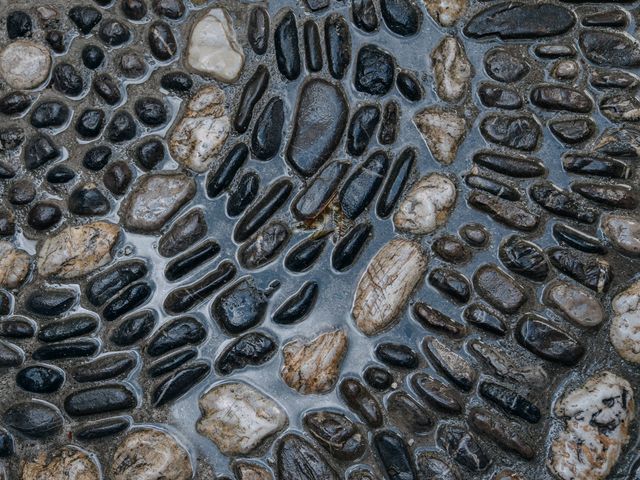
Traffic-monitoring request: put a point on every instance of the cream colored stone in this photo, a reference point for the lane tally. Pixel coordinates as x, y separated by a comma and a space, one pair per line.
203, 130
77, 251
623, 233
314, 366
385, 286
427, 205
213, 48
596, 417
446, 12
67, 463
443, 130
14, 265
251, 471
577, 304
239, 418
25, 64
451, 69
625, 324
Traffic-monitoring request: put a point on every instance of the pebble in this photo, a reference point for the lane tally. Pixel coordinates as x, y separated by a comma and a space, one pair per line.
298, 306
434, 319
67, 80
50, 302
319, 123
463, 447
338, 45
432, 465
264, 247
552, 97
408, 415
100, 399
454, 366
496, 96
258, 29
66, 462
44, 215
402, 17
394, 454
14, 265
451, 283
437, 394
362, 128
573, 131
117, 178
25, 64
251, 349
499, 289
365, 16
114, 33
148, 454
610, 49
314, 198
592, 272
77, 251
341, 437
520, 132
361, 401
105, 367
183, 233
623, 233
426, 206
576, 304
524, 258
40, 379
33, 418
85, 18
375, 70
296, 458
213, 48
548, 341
447, 12
377, 377
313, 366
451, 69
502, 432
175, 334
360, 188
155, 198
266, 136
443, 130
240, 306
510, 401
624, 332
10, 355
74, 326
180, 383
312, 46
386, 285
595, 428
286, 42
239, 418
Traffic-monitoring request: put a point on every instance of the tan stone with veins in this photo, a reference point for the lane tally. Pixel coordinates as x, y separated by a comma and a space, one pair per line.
314, 366
14, 265
443, 130
446, 12
625, 323
77, 251
67, 463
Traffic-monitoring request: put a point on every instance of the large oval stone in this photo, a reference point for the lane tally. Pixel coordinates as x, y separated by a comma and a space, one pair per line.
321, 118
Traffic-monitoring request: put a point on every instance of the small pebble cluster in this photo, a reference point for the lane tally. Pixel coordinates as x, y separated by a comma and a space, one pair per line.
319, 239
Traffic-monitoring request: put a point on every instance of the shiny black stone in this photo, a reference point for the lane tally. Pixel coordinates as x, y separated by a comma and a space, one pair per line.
96, 158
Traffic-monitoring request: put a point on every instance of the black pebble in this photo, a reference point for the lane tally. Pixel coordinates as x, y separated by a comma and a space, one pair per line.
172, 9
14, 103
162, 42
60, 174
90, 123
18, 24
67, 80
44, 215
114, 33
134, 328
22, 192
40, 379
151, 111
49, 302
88, 201
176, 82
107, 88
92, 56
132, 65
85, 18
117, 177
258, 30
55, 39
96, 158
396, 355
6, 443
39, 150
121, 128
243, 194
409, 86
133, 9
150, 153
49, 114
378, 378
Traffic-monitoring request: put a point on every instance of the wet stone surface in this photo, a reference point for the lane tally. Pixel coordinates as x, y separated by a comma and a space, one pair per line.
319, 239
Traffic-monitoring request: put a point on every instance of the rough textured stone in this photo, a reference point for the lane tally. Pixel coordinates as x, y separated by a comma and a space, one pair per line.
386, 285
427, 205
446, 12
213, 48
77, 251
14, 265
625, 324
596, 417
623, 233
67, 463
443, 130
451, 69
201, 133
25, 64
576, 304
238, 418
156, 197
149, 454
314, 366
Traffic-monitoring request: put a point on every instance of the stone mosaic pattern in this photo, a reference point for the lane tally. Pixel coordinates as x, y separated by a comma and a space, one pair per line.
319, 239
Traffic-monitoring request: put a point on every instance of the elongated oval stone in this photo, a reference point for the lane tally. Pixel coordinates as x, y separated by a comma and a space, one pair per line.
386, 284
548, 341
320, 120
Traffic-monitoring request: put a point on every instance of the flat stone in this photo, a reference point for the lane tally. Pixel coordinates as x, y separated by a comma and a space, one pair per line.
150, 454
548, 341
155, 198
443, 130
386, 285
625, 323
213, 47
320, 120
313, 367
596, 420
67, 463
623, 233
427, 206
77, 251
297, 459
499, 289
518, 20
519, 132
238, 418
14, 265
557, 98
610, 49
25, 64
447, 12
451, 69
202, 131
576, 304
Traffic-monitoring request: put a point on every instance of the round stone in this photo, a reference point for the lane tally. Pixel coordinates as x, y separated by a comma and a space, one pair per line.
92, 56
44, 215
25, 64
